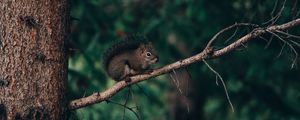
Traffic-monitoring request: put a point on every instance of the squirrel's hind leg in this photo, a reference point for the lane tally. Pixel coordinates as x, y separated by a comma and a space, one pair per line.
128, 72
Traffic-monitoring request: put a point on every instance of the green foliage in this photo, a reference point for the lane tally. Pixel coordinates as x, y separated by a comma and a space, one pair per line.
261, 85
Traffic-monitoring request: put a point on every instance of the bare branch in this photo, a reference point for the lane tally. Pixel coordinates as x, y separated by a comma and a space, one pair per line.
223, 83
205, 54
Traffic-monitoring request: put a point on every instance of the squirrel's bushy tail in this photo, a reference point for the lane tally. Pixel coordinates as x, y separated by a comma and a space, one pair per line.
130, 42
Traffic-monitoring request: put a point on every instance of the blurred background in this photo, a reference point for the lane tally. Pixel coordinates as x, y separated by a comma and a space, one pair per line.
262, 81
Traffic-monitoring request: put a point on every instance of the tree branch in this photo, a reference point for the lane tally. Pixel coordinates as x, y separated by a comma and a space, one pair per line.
205, 54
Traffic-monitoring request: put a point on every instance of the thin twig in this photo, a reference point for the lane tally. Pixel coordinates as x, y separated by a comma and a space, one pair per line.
294, 10
226, 29
223, 83
277, 16
143, 91
245, 46
295, 43
232, 35
130, 109
288, 34
269, 42
176, 81
281, 50
291, 46
263, 38
274, 8
177, 84
298, 13
136, 106
126, 100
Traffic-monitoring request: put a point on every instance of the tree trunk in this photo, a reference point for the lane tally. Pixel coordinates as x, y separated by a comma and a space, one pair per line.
33, 61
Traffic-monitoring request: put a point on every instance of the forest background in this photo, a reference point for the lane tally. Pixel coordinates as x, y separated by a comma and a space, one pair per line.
261, 77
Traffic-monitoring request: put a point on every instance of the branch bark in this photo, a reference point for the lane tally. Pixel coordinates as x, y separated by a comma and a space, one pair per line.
207, 53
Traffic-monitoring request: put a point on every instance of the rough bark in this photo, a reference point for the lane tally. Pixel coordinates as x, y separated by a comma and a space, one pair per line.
33, 62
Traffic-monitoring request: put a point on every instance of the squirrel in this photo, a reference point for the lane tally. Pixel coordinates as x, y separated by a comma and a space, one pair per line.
132, 56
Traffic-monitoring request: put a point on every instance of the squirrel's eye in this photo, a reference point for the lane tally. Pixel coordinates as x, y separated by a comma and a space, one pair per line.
148, 54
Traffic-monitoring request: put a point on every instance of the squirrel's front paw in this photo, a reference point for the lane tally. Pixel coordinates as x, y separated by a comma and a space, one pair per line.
127, 79
149, 71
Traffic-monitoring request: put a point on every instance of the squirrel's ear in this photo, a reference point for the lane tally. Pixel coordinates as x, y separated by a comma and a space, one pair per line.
142, 46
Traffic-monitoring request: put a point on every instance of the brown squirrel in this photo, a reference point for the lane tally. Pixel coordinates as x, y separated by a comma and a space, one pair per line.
132, 56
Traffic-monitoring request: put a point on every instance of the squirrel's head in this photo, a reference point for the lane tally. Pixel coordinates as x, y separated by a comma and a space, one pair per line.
148, 54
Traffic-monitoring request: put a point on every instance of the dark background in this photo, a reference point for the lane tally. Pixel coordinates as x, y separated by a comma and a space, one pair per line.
260, 81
